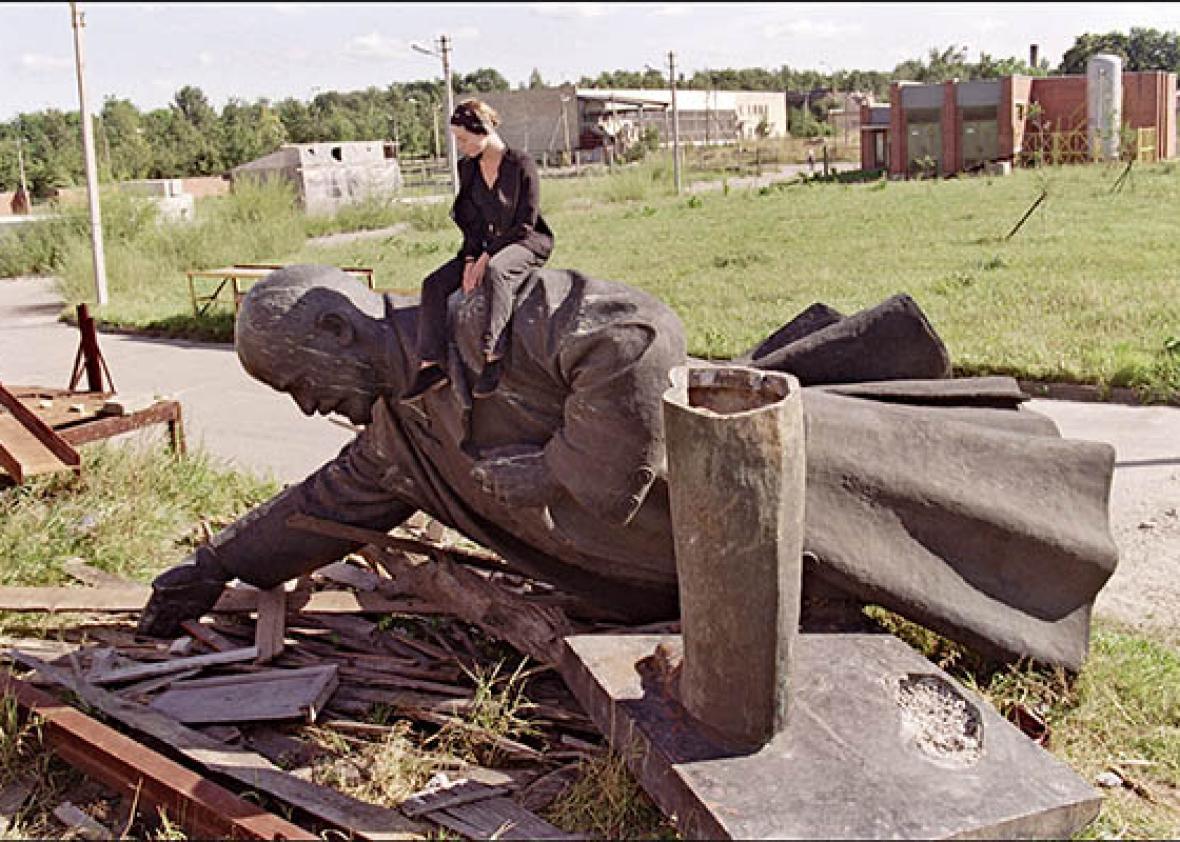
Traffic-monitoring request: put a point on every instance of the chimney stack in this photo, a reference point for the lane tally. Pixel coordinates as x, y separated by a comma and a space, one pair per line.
1032, 56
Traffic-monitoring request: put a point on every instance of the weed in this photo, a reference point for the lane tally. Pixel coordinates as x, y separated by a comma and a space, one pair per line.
495, 712
607, 803
131, 511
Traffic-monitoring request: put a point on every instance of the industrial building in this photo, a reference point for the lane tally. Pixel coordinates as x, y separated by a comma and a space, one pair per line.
955, 126
557, 123
329, 175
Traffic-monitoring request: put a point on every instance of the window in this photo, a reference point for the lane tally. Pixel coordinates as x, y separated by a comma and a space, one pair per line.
337, 153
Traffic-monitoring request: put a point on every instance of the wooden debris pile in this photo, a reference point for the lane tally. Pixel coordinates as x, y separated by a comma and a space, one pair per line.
384, 695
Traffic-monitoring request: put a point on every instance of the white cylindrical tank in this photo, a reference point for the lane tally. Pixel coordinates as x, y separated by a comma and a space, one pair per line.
1104, 105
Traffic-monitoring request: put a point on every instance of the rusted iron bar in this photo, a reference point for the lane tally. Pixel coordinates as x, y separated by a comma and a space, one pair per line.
90, 355
203, 808
163, 412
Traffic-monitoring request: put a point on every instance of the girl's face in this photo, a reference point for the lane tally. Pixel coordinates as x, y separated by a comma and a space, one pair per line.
469, 143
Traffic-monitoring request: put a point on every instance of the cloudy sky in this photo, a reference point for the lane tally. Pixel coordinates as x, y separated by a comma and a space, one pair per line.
145, 51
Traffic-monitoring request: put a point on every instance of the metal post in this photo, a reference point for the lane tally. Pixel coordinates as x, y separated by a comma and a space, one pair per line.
20, 162
444, 46
675, 122
100, 270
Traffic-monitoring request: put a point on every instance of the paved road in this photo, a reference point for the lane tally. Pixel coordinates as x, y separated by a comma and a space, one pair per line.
252, 427
236, 418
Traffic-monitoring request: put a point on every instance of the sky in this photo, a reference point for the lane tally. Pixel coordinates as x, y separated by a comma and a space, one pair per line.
146, 51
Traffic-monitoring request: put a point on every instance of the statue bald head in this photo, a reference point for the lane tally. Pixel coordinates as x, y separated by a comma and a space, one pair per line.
320, 335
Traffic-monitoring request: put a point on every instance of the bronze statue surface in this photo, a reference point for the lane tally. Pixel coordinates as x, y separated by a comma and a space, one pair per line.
938, 498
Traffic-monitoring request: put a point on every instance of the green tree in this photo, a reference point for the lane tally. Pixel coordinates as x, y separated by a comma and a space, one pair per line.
483, 79
535, 80
1143, 49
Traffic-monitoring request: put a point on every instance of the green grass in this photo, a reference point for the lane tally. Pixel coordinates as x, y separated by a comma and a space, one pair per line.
1088, 290
133, 511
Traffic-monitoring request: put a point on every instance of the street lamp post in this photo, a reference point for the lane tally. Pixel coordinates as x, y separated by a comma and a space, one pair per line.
77, 20
675, 122
444, 52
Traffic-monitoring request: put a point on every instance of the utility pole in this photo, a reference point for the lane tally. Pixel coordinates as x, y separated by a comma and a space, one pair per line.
20, 162
100, 269
444, 52
675, 122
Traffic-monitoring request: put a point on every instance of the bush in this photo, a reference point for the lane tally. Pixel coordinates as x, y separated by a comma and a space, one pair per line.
147, 258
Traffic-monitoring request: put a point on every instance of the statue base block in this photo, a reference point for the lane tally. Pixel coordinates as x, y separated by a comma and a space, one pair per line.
879, 743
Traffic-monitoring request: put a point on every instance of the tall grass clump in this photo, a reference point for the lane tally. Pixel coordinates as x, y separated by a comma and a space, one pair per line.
147, 256
40, 248
367, 214
132, 511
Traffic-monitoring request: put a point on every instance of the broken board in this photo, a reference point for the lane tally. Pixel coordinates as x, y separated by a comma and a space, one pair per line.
271, 695
870, 749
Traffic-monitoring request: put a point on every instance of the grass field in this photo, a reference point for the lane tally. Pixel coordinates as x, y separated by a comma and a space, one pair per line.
1088, 290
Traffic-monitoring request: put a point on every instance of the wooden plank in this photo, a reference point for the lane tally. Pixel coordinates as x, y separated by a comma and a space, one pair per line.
142, 671
271, 695
89, 575
271, 624
79, 823
349, 574
23, 455
233, 601
205, 809
497, 818
536, 630
40, 431
366, 821
207, 636
453, 794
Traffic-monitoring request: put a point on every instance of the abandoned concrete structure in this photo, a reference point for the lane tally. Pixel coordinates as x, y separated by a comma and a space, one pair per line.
963, 126
329, 175
552, 123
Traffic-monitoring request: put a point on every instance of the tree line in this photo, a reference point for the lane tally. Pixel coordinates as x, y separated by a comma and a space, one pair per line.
190, 137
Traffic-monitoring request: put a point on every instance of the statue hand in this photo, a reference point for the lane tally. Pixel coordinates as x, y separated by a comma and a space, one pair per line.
522, 480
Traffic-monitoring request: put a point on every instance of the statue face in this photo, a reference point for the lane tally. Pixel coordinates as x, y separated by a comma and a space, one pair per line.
321, 383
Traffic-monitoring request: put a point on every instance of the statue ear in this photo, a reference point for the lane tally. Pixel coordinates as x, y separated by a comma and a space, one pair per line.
337, 324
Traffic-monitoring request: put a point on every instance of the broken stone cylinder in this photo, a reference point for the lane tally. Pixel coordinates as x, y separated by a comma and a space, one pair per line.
736, 477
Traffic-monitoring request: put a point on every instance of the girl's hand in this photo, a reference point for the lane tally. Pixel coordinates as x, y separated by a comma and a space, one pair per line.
473, 273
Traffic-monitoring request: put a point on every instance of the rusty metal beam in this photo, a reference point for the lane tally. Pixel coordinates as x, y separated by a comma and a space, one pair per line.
203, 808
163, 412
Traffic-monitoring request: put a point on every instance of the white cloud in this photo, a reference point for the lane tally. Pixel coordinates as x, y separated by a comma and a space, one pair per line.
206, 58
576, 11
374, 45
672, 10
808, 28
41, 62
465, 33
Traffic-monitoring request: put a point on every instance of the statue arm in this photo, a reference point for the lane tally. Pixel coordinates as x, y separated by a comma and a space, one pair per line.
609, 448
260, 549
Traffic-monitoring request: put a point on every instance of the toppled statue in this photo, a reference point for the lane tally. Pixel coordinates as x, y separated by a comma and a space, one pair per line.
940, 499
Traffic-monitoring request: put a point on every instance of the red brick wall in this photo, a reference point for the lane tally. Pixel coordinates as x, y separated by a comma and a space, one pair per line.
898, 139
1062, 100
1148, 102
952, 131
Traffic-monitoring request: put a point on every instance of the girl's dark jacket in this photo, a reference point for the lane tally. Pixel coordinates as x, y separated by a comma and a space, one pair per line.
518, 217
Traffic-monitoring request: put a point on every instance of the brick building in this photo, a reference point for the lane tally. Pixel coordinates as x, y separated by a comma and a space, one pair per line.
963, 126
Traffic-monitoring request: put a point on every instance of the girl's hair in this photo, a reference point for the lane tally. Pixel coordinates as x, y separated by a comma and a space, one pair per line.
476, 116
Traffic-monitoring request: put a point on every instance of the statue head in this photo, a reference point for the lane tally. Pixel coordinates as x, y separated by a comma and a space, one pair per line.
321, 336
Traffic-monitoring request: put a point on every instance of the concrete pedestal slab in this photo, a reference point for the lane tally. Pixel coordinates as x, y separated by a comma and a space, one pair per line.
879, 743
